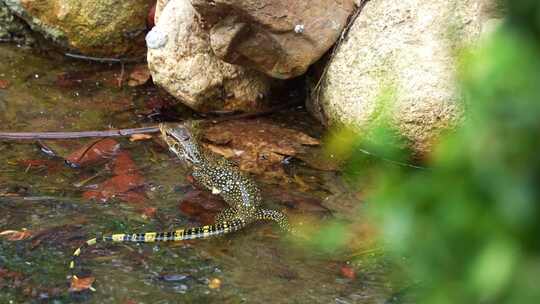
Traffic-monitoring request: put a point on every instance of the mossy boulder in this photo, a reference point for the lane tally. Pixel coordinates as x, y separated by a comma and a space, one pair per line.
105, 28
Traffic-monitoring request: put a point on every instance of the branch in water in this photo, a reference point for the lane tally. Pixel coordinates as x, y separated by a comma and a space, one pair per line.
69, 135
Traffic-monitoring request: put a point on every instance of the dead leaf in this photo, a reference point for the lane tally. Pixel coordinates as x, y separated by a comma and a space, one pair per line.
300, 202
259, 146
123, 164
202, 206
51, 166
116, 187
14, 235
4, 84
81, 284
93, 153
137, 137
139, 75
149, 212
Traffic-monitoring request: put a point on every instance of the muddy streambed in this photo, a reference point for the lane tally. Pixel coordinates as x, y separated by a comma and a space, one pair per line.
49, 208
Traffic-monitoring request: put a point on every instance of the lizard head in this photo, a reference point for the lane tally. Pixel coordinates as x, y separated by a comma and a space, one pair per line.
183, 140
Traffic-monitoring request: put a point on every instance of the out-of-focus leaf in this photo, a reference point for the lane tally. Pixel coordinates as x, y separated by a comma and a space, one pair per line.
348, 272
4, 84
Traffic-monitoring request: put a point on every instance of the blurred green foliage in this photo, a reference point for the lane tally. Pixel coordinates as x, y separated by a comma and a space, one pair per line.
469, 225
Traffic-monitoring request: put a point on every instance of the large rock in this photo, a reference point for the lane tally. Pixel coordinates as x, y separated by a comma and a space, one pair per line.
399, 58
181, 61
281, 38
103, 28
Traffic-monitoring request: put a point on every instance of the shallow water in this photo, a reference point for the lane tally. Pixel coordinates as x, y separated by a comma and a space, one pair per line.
38, 193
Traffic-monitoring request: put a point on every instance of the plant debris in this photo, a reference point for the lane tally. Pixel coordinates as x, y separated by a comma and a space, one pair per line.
258, 146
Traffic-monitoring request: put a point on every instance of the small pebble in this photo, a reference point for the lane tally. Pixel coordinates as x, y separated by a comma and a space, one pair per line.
214, 283
173, 277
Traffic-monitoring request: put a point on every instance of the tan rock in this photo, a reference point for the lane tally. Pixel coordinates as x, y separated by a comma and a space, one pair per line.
281, 38
103, 28
399, 58
182, 62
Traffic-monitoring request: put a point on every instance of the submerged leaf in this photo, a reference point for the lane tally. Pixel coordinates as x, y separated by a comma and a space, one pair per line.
14, 235
93, 153
81, 284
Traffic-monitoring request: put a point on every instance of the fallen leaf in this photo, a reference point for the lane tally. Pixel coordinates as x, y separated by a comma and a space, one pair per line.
137, 137
259, 146
4, 84
14, 235
214, 283
300, 202
115, 187
81, 284
149, 212
139, 75
123, 164
51, 166
94, 152
202, 206
348, 272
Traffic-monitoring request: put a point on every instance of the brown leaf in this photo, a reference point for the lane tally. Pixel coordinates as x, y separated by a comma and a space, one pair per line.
202, 206
300, 202
116, 187
4, 84
123, 164
259, 146
139, 75
81, 284
93, 152
149, 212
50, 165
137, 137
14, 235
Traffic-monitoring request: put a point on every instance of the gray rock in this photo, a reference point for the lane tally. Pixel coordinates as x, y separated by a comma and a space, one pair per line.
188, 69
399, 60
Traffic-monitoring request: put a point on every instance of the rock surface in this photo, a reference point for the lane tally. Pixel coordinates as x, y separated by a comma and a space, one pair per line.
281, 38
400, 55
182, 62
103, 28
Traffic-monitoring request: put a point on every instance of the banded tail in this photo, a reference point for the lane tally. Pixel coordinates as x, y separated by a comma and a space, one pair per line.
172, 236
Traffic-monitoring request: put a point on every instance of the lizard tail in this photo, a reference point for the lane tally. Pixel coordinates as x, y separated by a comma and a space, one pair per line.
171, 236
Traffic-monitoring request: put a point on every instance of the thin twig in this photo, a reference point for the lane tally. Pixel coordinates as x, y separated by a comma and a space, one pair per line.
83, 134
105, 59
